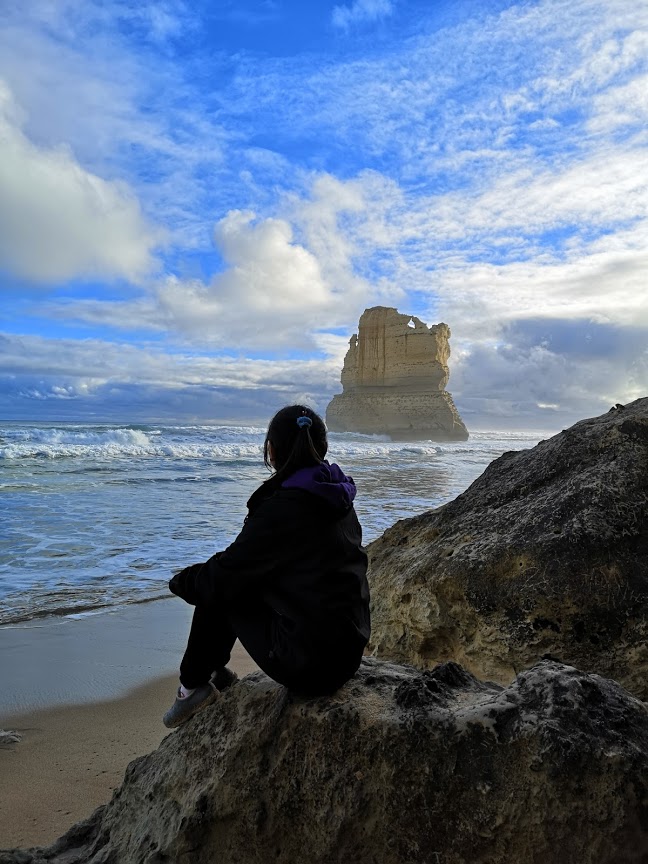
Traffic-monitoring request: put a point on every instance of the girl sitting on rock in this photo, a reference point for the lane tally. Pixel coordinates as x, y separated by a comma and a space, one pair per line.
292, 586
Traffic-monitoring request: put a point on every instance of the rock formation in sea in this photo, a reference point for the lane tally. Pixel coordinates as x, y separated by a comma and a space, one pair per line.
394, 379
399, 767
545, 554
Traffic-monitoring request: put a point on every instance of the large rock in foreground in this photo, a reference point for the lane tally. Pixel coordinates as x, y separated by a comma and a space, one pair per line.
400, 767
546, 553
393, 381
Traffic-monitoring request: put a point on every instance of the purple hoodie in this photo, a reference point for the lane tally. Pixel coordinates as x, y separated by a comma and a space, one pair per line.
328, 481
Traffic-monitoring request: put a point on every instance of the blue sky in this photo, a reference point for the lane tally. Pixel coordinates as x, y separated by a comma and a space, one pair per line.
198, 200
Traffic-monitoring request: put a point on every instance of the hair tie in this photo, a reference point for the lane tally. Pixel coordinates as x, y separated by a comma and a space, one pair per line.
304, 421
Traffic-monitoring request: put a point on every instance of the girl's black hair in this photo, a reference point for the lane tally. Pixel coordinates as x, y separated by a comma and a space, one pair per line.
294, 445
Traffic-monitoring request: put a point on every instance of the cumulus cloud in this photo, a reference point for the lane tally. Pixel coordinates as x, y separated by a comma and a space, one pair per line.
59, 221
266, 270
95, 76
273, 292
361, 12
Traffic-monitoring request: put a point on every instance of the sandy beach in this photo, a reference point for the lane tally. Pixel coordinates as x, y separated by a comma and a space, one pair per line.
87, 696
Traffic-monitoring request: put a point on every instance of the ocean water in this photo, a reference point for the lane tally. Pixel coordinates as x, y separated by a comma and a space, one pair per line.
97, 516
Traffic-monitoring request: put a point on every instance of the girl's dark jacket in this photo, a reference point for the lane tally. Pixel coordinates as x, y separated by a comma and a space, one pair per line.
300, 554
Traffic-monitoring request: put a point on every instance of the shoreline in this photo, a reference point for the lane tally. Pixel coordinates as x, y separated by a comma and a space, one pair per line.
87, 697
71, 758
74, 612
73, 660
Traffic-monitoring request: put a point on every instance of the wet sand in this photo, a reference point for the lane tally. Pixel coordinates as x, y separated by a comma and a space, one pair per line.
87, 697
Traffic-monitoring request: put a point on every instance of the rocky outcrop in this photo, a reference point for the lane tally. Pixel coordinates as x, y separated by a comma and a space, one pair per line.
546, 553
401, 766
394, 379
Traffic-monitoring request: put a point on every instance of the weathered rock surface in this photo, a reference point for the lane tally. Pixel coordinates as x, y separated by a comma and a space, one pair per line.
393, 381
401, 766
546, 553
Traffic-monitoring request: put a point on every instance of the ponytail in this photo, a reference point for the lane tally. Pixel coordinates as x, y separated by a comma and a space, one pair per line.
298, 438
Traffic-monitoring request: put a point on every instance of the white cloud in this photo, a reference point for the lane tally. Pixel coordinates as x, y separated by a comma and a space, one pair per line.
626, 105
59, 221
607, 56
69, 20
360, 12
104, 80
270, 295
605, 188
105, 376
487, 261
478, 301
165, 20
94, 363
344, 223
141, 313
274, 292
509, 181
513, 381
266, 270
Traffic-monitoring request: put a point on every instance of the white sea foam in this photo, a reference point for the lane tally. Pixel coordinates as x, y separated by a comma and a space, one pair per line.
115, 443
99, 515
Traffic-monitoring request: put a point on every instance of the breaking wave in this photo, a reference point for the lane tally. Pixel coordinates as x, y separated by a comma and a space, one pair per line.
100, 515
106, 443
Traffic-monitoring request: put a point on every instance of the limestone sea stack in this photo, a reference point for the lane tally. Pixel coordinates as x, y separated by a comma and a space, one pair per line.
545, 554
394, 378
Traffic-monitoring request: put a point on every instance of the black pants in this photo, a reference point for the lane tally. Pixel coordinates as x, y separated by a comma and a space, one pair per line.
274, 645
212, 638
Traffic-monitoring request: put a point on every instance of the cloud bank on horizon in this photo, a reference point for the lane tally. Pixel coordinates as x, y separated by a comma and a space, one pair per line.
197, 201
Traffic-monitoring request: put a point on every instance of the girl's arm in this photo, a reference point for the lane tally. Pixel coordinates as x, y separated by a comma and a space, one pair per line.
264, 546
183, 582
